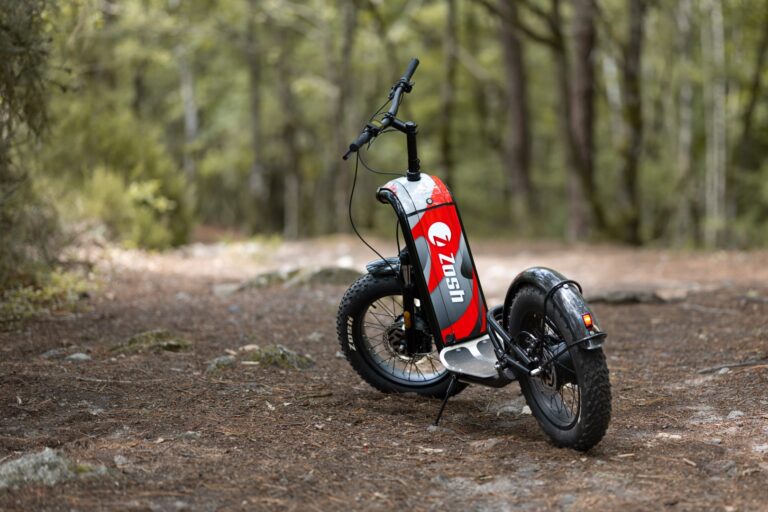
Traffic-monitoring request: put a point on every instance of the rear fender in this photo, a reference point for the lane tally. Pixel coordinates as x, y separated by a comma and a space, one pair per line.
567, 299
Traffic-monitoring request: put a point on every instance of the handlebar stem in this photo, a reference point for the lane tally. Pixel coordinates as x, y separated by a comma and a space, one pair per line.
410, 129
414, 166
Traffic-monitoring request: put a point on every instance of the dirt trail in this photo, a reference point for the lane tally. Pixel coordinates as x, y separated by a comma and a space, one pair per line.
174, 436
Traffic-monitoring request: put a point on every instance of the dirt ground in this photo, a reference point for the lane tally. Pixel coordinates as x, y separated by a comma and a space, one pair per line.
173, 436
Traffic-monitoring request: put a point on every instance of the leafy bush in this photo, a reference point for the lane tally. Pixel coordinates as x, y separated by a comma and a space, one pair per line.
136, 213
28, 227
127, 181
57, 291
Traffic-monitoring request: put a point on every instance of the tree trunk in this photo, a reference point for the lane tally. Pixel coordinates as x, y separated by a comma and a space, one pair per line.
289, 131
139, 87
632, 109
613, 96
582, 94
264, 211
448, 92
576, 219
486, 92
191, 123
713, 44
746, 156
516, 145
683, 214
341, 177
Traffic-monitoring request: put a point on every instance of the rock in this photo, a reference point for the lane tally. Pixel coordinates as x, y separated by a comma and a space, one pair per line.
513, 406
315, 336
221, 362
720, 467
760, 448
485, 444
46, 467
249, 348
665, 435
326, 275
268, 279
734, 415
525, 410
340, 354
280, 357
671, 294
566, 500
723, 371
623, 297
121, 460
225, 289
156, 340
507, 409
190, 434
54, 353
78, 357
638, 296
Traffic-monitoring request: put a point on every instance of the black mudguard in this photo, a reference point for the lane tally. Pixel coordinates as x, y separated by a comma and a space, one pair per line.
567, 299
385, 267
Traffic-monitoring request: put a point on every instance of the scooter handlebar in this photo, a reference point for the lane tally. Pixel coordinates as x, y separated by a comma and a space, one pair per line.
411, 69
402, 86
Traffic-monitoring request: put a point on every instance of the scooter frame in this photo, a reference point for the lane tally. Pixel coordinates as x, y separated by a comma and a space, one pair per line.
412, 197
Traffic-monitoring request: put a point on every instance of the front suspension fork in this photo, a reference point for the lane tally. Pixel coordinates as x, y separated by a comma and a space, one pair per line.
409, 304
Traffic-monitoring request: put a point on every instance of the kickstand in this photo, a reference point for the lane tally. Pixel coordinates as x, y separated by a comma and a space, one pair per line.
448, 393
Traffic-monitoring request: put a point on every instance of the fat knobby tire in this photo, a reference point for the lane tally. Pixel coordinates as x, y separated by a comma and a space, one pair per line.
592, 377
366, 290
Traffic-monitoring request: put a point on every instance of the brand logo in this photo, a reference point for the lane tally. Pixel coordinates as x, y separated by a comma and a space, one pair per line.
439, 234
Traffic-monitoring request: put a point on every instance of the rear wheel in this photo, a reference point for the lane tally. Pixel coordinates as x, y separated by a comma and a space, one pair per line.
571, 398
371, 333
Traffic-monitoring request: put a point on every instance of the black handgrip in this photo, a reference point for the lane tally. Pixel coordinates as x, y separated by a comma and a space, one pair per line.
411, 69
359, 142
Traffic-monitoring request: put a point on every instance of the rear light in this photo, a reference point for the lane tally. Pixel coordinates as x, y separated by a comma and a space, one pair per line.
588, 322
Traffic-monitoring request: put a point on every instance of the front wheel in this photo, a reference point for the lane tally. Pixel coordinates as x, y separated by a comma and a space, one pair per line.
571, 398
371, 333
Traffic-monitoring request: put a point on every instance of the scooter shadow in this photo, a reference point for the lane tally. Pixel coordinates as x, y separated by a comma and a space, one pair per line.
476, 416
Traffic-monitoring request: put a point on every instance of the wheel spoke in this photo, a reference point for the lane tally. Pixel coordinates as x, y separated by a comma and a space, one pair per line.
383, 334
559, 401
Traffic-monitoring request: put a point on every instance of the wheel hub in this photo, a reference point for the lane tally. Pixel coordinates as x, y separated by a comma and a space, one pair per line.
397, 344
395, 337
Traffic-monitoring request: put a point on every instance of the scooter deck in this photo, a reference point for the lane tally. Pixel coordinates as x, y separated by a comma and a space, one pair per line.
475, 357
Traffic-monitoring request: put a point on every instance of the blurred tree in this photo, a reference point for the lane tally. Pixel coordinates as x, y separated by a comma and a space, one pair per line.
517, 140
582, 91
713, 44
27, 224
234, 114
447, 99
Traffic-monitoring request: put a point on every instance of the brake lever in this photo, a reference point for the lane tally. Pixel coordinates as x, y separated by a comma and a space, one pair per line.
407, 87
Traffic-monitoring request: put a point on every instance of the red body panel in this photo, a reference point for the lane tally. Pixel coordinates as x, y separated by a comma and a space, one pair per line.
444, 258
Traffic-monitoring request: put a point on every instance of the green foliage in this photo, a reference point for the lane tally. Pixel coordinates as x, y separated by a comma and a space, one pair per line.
29, 234
57, 291
157, 340
136, 213
27, 225
163, 109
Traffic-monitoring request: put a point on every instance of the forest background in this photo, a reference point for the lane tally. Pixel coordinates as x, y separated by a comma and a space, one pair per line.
630, 121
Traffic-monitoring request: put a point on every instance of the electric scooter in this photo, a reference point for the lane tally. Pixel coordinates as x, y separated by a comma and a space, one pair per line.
418, 322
